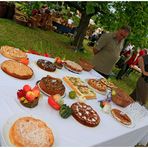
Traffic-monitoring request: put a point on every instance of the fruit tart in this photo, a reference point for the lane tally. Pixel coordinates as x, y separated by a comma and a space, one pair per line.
97, 85
12, 53
107, 83
28, 97
79, 86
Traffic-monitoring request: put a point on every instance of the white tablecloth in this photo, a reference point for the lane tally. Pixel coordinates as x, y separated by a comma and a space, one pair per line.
67, 132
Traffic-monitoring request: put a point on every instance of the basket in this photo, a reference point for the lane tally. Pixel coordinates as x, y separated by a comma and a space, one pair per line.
21, 20
121, 98
85, 65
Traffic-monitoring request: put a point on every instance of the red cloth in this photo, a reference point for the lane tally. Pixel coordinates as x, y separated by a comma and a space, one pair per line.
141, 53
132, 59
35, 52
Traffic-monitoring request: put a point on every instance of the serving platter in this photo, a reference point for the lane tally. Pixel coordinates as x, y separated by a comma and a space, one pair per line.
8, 124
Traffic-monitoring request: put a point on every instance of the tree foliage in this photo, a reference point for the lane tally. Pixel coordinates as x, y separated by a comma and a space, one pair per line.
134, 14
112, 15
109, 15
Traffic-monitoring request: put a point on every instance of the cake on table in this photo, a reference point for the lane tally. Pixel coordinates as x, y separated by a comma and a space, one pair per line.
52, 86
73, 66
85, 114
107, 83
16, 69
46, 65
12, 53
80, 87
121, 117
97, 84
30, 132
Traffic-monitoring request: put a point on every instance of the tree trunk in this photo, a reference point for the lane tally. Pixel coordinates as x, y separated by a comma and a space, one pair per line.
81, 31
3, 9
10, 11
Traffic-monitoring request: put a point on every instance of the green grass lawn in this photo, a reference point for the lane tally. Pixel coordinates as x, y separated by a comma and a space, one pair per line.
53, 43
43, 41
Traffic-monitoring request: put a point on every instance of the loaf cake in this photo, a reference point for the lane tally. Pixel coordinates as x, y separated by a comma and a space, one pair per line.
16, 69
73, 66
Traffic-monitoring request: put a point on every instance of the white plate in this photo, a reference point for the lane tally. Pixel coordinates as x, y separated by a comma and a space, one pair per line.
71, 70
100, 92
8, 124
46, 93
129, 126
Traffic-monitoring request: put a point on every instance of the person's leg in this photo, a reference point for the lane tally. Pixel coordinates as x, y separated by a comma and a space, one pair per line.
126, 69
120, 63
121, 72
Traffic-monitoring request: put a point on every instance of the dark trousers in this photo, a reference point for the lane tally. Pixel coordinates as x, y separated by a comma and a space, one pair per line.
104, 75
122, 71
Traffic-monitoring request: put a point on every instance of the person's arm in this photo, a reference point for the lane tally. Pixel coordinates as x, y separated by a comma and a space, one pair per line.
141, 65
100, 43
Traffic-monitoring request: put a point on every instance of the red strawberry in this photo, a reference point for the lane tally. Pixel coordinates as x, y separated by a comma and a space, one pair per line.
20, 93
46, 55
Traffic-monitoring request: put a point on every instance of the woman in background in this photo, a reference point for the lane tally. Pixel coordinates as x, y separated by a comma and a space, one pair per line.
140, 93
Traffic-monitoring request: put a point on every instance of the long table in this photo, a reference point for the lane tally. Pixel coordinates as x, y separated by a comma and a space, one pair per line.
67, 132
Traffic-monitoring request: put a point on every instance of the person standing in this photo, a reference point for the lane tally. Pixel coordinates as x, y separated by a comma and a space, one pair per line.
140, 93
107, 50
128, 62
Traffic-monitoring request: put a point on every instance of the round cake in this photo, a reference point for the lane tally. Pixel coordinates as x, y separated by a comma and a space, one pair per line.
12, 53
52, 86
121, 117
121, 98
107, 83
16, 69
97, 84
84, 114
73, 66
30, 132
46, 65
